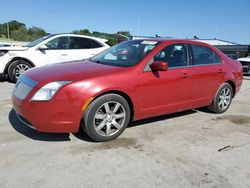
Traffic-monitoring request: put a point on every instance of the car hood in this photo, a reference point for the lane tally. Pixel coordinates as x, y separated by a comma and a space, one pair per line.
71, 71
14, 48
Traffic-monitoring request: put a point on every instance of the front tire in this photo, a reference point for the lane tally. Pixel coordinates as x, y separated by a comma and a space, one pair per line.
16, 68
106, 117
222, 99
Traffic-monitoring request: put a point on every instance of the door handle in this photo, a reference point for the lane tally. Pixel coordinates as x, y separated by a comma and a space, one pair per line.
220, 71
185, 75
64, 54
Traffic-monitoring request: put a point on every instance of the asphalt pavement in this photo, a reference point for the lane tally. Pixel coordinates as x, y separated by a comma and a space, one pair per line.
194, 148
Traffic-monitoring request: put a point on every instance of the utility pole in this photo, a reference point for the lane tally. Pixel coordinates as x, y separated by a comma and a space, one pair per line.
8, 30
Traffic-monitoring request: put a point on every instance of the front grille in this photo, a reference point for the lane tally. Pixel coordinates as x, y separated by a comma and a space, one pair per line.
23, 87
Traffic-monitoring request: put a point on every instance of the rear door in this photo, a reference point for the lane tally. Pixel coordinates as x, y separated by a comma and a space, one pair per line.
166, 91
207, 74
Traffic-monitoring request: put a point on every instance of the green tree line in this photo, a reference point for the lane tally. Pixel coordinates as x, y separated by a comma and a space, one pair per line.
20, 32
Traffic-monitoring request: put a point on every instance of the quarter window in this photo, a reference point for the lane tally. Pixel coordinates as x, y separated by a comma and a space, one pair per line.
203, 55
175, 55
96, 44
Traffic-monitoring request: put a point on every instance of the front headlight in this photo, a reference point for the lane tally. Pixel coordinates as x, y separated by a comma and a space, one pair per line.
48, 91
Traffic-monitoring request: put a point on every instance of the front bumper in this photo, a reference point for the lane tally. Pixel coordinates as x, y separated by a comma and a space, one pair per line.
54, 117
61, 114
24, 121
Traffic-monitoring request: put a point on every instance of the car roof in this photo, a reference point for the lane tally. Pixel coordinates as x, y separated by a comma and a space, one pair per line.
174, 40
183, 41
84, 36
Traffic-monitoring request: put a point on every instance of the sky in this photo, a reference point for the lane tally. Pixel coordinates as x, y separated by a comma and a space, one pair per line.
223, 19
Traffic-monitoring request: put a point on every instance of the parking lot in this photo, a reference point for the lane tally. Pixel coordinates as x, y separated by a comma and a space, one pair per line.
189, 149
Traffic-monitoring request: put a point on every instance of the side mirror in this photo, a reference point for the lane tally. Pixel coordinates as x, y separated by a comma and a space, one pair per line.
159, 66
43, 47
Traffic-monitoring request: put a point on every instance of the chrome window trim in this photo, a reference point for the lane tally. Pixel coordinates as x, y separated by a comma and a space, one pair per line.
28, 81
205, 64
187, 66
23, 87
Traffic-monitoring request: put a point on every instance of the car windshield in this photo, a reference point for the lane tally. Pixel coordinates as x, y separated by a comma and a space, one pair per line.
37, 41
126, 53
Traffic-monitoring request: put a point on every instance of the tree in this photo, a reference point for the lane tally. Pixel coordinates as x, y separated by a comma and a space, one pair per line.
3, 30
15, 25
20, 34
19, 31
36, 32
125, 33
82, 32
96, 34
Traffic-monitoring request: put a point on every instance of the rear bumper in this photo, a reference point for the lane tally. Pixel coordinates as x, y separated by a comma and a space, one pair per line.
246, 68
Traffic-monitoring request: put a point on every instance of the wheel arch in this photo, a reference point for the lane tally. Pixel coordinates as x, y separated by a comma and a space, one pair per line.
232, 85
124, 95
17, 58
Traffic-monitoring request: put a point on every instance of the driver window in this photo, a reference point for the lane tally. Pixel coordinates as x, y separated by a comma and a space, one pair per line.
175, 55
58, 43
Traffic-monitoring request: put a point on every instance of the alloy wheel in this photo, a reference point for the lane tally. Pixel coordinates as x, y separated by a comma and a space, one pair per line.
109, 118
224, 98
21, 68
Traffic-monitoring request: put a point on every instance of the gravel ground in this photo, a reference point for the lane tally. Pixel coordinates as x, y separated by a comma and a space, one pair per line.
189, 149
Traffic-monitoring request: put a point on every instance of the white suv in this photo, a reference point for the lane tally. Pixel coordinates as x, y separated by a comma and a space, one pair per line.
48, 50
245, 61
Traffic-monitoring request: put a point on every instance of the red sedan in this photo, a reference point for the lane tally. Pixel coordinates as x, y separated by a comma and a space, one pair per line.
133, 80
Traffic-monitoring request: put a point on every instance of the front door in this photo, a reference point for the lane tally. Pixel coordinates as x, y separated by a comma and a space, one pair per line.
166, 91
57, 52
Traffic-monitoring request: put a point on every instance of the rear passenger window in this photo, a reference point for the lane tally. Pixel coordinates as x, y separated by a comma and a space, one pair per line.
83, 43
203, 55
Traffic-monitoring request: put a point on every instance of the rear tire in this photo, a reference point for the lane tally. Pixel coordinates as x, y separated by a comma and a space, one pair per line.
222, 99
16, 68
106, 117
